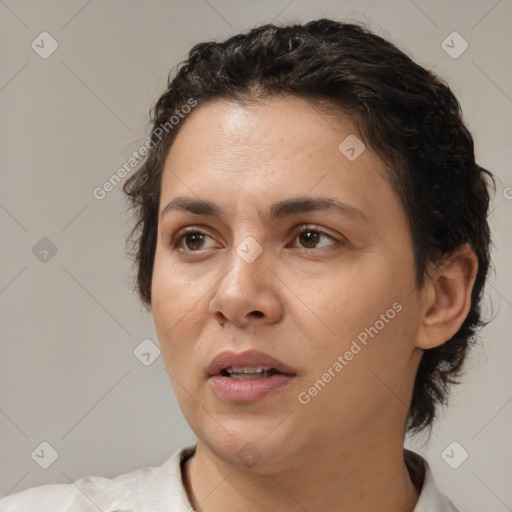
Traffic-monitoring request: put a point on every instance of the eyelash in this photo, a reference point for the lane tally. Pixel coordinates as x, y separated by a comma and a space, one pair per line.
177, 239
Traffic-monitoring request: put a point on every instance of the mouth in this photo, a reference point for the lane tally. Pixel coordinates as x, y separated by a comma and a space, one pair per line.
250, 364
248, 377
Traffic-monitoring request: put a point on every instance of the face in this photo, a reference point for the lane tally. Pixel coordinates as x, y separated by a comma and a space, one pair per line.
326, 289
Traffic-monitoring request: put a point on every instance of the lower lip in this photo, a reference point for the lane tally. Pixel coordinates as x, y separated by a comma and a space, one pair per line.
250, 390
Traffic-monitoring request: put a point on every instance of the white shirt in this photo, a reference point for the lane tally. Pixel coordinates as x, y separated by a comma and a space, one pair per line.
160, 489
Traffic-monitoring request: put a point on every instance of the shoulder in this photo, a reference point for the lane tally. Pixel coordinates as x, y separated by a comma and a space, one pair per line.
84, 494
133, 490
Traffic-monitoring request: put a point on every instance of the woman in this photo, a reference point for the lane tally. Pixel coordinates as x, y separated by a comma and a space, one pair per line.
312, 241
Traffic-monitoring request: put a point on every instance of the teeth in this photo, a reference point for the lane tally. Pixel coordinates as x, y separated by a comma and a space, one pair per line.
247, 369
249, 372
248, 376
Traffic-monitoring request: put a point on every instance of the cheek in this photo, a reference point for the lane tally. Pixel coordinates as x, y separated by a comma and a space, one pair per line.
353, 299
365, 363
372, 316
175, 301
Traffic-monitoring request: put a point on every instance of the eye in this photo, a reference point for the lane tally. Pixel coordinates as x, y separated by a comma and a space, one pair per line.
192, 238
310, 236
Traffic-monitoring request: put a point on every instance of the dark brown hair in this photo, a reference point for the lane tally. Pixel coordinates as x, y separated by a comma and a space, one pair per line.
407, 114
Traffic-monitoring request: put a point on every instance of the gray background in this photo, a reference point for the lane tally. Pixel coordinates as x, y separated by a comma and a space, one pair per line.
70, 322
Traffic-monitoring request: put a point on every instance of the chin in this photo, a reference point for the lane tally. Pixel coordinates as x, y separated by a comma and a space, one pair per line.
257, 444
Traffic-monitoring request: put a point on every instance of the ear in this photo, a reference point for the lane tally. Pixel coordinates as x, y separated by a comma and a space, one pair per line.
446, 296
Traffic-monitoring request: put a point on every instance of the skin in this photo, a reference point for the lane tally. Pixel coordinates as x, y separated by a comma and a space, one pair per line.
303, 300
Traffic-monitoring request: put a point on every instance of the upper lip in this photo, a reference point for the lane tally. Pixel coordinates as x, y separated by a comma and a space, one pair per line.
250, 358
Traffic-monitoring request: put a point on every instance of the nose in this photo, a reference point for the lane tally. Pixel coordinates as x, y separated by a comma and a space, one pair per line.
247, 293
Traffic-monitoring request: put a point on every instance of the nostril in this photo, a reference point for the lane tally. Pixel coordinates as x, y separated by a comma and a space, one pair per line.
256, 313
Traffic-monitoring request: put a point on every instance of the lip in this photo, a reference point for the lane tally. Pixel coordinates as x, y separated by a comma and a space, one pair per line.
251, 390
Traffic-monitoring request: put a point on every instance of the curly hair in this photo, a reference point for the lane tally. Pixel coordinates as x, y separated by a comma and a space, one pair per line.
407, 114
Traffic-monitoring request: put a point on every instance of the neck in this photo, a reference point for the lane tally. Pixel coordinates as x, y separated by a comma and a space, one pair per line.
324, 480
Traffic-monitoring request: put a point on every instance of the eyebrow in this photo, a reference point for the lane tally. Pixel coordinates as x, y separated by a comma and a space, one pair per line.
277, 210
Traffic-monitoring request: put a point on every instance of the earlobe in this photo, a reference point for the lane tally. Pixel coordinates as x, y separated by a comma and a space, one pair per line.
447, 297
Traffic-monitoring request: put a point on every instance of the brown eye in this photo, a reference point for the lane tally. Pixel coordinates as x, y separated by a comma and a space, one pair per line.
191, 240
309, 237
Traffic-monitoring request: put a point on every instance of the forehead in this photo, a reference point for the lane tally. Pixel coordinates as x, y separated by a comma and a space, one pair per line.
229, 135
282, 124
266, 151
